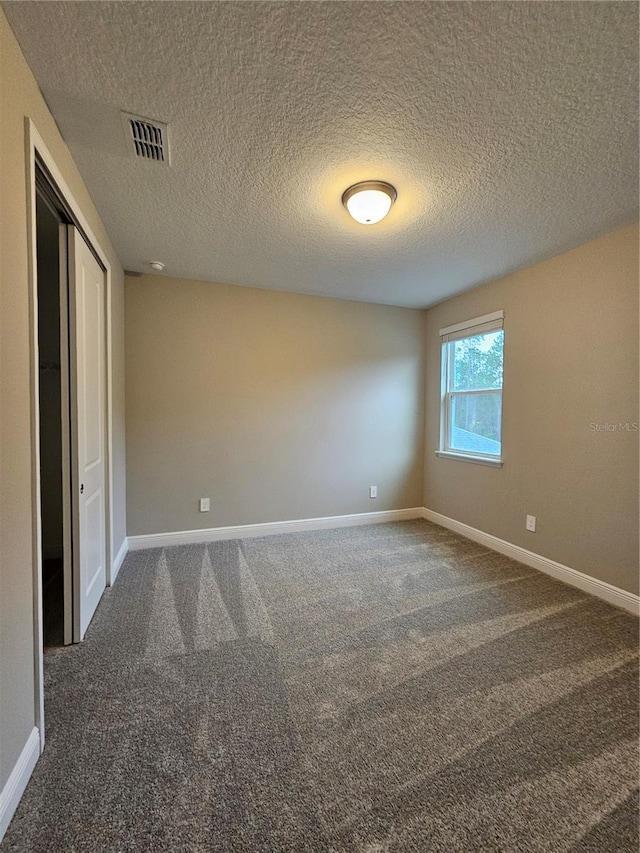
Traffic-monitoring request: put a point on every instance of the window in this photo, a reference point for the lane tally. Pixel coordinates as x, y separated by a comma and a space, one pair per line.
471, 408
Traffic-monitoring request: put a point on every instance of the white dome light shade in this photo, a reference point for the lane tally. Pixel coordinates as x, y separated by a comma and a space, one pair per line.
369, 201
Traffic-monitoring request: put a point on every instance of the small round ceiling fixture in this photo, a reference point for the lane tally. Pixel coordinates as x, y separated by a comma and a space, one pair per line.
369, 201
158, 266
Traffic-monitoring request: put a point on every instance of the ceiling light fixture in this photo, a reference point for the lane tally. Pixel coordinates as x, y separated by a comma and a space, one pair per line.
369, 201
158, 266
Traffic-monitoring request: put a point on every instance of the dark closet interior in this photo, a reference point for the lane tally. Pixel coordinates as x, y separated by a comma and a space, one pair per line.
48, 256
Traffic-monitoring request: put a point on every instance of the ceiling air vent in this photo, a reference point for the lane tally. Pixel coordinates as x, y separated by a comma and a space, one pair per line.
147, 138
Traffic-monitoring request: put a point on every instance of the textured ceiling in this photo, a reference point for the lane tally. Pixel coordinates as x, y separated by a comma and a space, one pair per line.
509, 130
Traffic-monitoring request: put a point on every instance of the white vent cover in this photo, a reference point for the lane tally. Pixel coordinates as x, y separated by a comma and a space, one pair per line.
146, 138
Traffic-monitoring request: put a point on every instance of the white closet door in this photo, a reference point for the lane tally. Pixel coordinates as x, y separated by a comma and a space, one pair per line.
87, 351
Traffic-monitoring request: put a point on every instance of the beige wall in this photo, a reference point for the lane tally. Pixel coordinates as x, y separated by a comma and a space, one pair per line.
20, 97
571, 359
274, 405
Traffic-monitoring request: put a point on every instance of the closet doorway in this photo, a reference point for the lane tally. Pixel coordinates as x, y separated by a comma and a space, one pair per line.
71, 417
71, 425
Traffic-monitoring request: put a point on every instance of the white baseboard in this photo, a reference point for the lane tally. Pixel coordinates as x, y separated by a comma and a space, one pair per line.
601, 589
244, 531
17, 781
119, 560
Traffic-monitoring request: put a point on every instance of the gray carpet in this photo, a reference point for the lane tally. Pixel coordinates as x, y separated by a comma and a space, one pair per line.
383, 688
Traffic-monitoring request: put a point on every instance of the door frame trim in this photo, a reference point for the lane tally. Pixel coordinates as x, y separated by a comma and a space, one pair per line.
35, 146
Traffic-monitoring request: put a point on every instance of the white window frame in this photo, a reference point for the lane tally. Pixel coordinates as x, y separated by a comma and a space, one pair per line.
467, 329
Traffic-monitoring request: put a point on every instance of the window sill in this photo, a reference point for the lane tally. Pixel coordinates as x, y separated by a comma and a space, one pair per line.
467, 457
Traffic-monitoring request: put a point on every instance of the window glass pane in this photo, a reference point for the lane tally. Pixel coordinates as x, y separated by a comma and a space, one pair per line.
477, 362
475, 423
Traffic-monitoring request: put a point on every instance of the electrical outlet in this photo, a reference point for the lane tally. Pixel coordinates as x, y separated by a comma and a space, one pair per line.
373, 491
531, 523
204, 504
